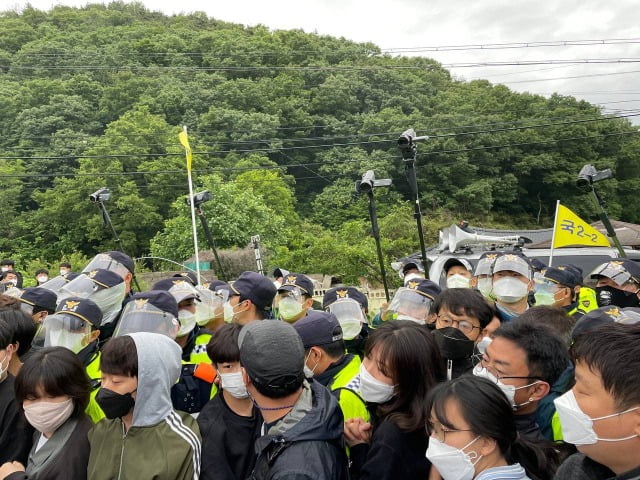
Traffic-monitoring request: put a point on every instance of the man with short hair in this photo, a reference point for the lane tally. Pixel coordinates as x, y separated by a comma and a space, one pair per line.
524, 360
327, 363
250, 298
558, 287
38, 303
600, 415
618, 283
303, 423
512, 279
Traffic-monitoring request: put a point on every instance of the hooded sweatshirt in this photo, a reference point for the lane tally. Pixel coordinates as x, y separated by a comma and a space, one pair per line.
307, 443
161, 443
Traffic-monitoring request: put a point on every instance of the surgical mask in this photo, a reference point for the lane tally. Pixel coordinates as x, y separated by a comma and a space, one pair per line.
508, 390
452, 463
544, 298
457, 281
483, 344
229, 312
187, 321
485, 286
63, 272
309, 372
373, 390
47, 417
577, 426
4, 364
289, 308
614, 296
233, 384
349, 314
4, 269
412, 276
42, 278
509, 289
113, 404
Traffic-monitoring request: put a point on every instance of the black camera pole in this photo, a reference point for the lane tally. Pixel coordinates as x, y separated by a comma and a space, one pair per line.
407, 146
212, 244
604, 218
376, 235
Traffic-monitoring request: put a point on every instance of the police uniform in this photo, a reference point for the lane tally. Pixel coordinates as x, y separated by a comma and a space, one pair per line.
336, 301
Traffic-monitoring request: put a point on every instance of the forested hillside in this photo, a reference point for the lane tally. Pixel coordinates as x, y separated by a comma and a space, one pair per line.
281, 124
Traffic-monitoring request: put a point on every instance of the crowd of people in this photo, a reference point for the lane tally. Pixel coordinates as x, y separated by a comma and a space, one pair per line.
511, 370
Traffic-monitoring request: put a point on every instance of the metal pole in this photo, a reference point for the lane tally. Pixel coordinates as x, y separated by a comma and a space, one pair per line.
376, 235
611, 233
410, 171
207, 232
255, 240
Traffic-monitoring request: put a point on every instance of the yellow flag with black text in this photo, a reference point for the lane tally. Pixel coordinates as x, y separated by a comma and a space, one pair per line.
570, 229
184, 140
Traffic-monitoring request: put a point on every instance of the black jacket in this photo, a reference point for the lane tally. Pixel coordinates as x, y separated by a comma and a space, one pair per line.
308, 443
15, 432
581, 467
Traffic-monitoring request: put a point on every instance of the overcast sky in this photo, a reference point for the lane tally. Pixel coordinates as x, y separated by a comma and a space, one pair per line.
402, 24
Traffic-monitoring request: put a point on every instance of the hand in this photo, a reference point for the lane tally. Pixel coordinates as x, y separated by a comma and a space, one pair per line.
9, 468
357, 431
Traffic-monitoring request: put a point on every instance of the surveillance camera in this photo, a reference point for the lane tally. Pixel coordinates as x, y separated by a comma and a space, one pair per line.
368, 181
589, 175
101, 195
199, 198
406, 139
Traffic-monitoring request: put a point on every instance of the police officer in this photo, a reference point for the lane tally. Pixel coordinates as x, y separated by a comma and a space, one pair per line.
350, 306
413, 302
250, 299
38, 302
618, 283
557, 287
294, 297
327, 363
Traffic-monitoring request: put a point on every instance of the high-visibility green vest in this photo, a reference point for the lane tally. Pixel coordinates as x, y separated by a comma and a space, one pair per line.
95, 376
351, 403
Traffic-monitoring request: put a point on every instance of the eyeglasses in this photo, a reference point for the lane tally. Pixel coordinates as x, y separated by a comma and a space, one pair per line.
465, 326
484, 362
440, 432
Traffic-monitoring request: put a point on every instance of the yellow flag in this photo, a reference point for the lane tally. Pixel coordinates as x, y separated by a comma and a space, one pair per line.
570, 229
184, 140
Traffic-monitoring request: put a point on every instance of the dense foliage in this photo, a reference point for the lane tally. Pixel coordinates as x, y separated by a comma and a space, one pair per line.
281, 123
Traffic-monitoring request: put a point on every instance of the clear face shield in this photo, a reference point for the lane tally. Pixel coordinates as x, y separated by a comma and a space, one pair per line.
349, 314
104, 261
63, 330
407, 304
55, 284
288, 303
12, 291
26, 308
110, 301
81, 286
141, 316
211, 305
613, 270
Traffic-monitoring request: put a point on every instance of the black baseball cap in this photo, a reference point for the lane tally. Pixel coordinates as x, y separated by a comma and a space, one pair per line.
537, 264
621, 271
426, 288
273, 355
104, 278
561, 276
292, 281
459, 262
191, 277
160, 299
41, 297
82, 308
409, 263
340, 293
255, 287
280, 272
217, 285
180, 288
318, 328
122, 258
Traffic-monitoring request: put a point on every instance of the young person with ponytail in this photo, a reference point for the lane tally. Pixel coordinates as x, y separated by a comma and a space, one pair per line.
474, 436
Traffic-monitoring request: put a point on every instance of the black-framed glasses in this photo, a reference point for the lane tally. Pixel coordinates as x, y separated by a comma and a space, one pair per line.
485, 364
465, 326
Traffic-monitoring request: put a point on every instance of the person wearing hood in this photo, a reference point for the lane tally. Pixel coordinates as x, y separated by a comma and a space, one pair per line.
142, 436
462, 317
303, 429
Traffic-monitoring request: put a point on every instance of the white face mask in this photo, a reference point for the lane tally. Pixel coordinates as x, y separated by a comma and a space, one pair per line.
483, 344
485, 286
4, 269
309, 372
510, 289
457, 281
452, 463
47, 417
289, 308
229, 312
577, 426
187, 321
4, 364
508, 390
373, 390
42, 278
233, 384
63, 271
412, 276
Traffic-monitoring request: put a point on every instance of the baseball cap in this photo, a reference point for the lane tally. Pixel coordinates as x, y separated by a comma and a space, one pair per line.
426, 288
513, 262
41, 297
292, 281
216, 285
340, 293
180, 288
113, 260
459, 262
280, 272
485, 263
410, 263
318, 328
82, 308
191, 277
620, 271
561, 276
273, 356
154, 311
537, 264
257, 288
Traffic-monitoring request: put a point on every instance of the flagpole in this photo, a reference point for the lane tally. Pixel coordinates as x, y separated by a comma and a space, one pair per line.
192, 204
553, 235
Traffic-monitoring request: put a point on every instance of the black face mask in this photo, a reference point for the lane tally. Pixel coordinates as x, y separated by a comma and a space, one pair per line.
614, 296
453, 344
114, 405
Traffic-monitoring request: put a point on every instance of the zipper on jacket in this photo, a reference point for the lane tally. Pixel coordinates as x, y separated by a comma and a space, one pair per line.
124, 435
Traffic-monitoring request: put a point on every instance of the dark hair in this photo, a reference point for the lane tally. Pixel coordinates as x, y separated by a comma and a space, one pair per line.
8, 302
555, 318
223, 346
465, 301
38, 309
489, 414
120, 357
55, 371
6, 334
23, 328
261, 313
613, 350
65, 265
547, 355
409, 355
333, 350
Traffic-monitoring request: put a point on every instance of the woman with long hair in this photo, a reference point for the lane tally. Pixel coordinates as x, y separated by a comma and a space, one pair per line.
474, 436
401, 365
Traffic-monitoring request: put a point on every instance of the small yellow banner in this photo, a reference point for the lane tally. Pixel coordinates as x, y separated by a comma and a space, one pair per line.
184, 140
570, 229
